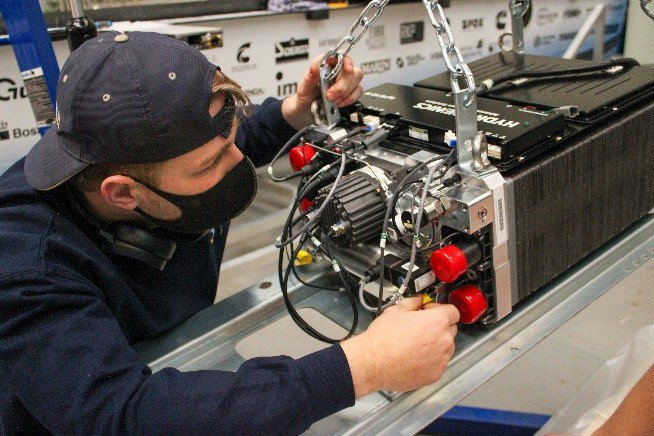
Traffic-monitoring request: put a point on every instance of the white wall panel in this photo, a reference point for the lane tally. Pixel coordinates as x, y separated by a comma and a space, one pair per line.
394, 50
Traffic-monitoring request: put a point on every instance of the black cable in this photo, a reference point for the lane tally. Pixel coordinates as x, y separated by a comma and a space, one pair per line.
316, 214
283, 279
301, 322
285, 148
448, 163
387, 217
626, 63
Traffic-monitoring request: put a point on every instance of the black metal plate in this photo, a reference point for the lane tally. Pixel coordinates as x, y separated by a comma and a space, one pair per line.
514, 129
596, 96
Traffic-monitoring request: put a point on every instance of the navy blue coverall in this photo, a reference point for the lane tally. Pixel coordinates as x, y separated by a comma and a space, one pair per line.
69, 314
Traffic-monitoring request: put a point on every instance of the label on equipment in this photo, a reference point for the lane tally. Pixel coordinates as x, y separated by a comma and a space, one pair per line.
495, 151
418, 133
406, 267
424, 280
37, 91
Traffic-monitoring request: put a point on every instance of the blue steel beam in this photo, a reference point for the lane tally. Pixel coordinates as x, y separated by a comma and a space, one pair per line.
473, 421
28, 35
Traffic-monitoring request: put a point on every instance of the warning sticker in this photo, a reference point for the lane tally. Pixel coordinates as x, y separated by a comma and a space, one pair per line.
425, 280
418, 133
37, 92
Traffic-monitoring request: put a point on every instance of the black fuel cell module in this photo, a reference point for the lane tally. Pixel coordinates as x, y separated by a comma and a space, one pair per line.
424, 115
596, 95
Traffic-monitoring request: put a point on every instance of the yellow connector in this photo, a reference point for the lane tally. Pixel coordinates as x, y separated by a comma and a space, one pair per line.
303, 258
338, 4
426, 299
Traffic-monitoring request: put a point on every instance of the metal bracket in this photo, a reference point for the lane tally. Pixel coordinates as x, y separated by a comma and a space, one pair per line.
595, 21
471, 145
325, 112
518, 9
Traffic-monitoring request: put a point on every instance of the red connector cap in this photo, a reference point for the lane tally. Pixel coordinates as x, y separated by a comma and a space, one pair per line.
300, 156
470, 301
305, 204
448, 263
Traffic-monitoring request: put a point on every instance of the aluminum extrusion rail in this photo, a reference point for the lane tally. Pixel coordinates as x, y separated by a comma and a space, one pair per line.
208, 340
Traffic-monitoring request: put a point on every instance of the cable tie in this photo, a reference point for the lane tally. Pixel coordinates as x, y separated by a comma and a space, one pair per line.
488, 83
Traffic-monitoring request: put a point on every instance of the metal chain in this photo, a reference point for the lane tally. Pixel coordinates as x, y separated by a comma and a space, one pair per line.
519, 8
647, 8
451, 53
366, 19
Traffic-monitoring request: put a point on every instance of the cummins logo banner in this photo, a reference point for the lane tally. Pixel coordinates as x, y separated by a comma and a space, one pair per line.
291, 50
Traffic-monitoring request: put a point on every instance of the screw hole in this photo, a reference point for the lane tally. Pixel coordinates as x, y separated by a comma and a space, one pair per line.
265, 285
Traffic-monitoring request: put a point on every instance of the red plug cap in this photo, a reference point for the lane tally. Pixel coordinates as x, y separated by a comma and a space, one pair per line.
448, 263
305, 204
300, 156
470, 301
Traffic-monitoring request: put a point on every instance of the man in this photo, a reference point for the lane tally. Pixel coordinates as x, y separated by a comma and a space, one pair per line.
112, 231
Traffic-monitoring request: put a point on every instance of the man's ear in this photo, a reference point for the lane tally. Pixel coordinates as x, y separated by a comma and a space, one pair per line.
119, 191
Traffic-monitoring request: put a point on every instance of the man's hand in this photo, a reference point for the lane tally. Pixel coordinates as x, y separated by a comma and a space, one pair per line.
345, 91
404, 349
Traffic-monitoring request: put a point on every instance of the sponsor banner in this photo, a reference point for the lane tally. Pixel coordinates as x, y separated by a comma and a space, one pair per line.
291, 50
411, 32
268, 57
377, 66
376, 37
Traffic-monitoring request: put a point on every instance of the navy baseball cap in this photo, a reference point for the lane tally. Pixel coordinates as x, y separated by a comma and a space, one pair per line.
137, 98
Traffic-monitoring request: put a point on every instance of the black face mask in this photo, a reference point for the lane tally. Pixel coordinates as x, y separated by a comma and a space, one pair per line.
225, 200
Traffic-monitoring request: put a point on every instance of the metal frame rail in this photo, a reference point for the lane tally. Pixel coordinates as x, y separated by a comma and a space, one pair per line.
208, 340
28, 35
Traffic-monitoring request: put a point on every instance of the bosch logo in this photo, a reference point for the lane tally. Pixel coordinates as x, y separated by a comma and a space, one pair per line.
10, 91
471, 24
241, 57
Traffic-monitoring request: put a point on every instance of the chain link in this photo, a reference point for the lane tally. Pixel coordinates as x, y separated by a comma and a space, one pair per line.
366, 19
519, 8
451, 53
647, 8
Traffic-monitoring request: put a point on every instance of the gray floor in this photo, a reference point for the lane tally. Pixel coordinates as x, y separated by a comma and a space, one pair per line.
541, 381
